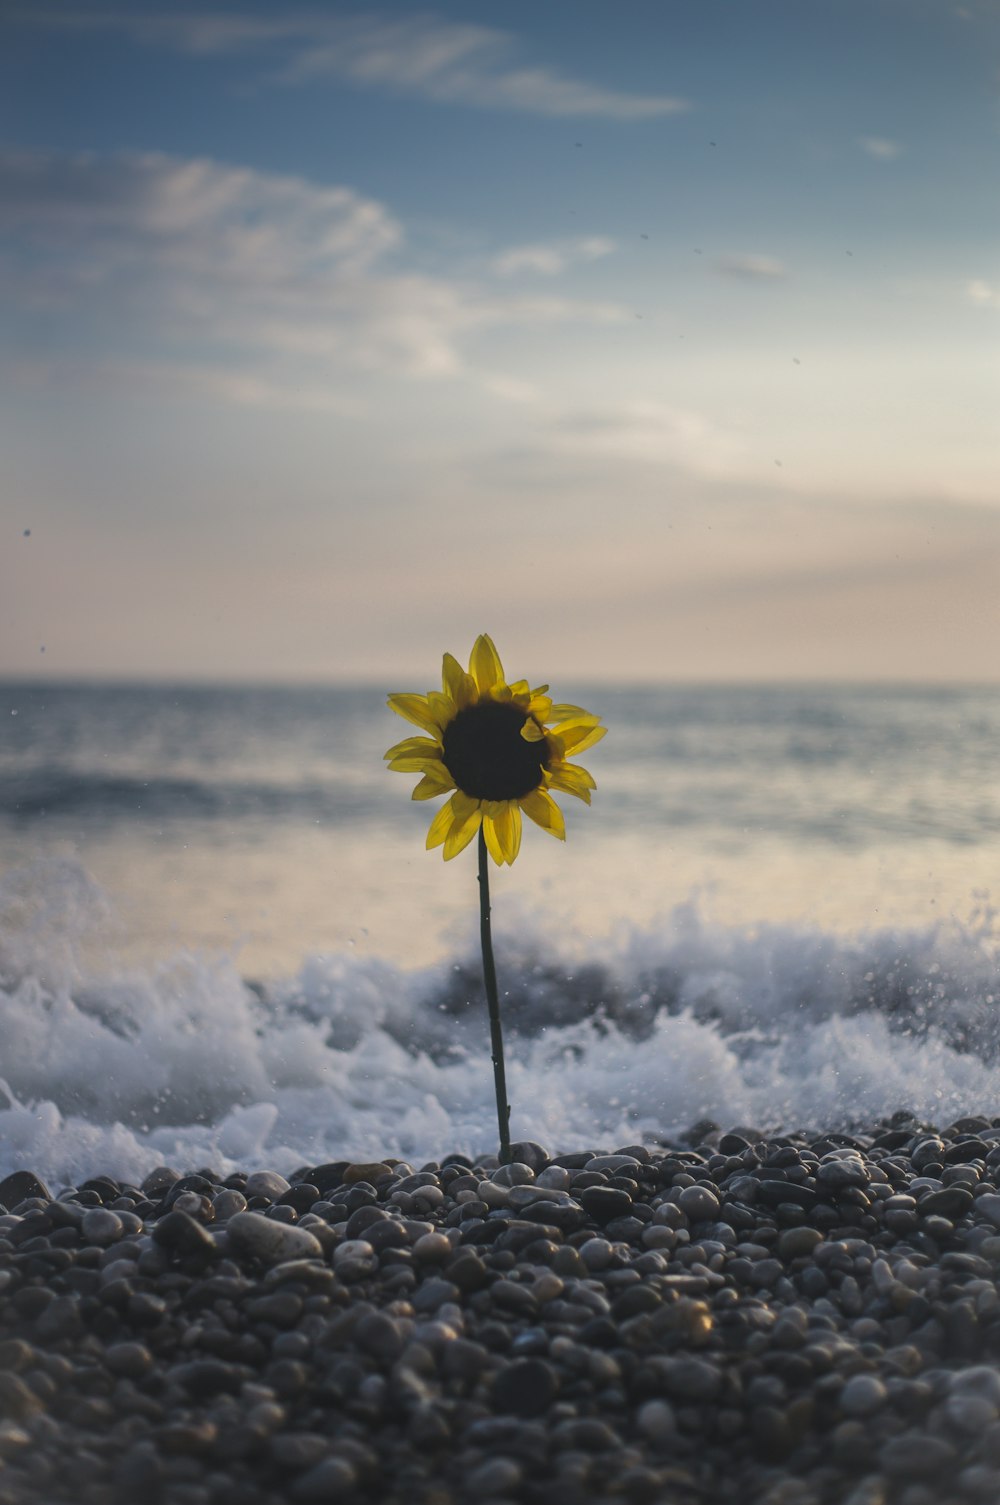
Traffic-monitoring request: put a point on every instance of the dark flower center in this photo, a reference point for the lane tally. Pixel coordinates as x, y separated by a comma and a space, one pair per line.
486, 755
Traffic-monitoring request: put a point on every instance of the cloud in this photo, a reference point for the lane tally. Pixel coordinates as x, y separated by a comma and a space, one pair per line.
550, 260
983, 293
422, 56
880, 147
296, 284
751, 268
650, 433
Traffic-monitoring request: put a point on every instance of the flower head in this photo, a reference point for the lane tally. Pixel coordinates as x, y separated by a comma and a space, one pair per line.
501, 747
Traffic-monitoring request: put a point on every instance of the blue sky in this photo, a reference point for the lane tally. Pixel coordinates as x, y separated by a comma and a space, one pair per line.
657, 339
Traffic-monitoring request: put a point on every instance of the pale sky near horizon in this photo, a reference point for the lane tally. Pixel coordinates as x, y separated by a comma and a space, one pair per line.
657, 339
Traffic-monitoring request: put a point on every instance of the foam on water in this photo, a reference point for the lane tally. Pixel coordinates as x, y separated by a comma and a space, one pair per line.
187, 1062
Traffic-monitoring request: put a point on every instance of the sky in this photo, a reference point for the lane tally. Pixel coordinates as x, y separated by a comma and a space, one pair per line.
657, 339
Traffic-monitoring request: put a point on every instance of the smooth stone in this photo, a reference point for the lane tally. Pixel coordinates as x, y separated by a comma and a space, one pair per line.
228, 1203
160, 1180
432, 1248
605, 1203
950, 1202
862, 1395
657, 1421
20, 1185
974, 1399
101, 1226
377, 1334
840, 1173
556, 1177
15, 1355
989, 1205
525, 1387
596, 1253
520, 1197
265, 1184
270, 1241
774, 1192
333, 1479
433, 1293
132, 1360
17, 1400
354, 1251
528, 1152
367, 1170
183, 1234
514, 1174
699, 1203
690, 1380
794, 1242
494, 1478
970, 1413
914, 1455
298, 1450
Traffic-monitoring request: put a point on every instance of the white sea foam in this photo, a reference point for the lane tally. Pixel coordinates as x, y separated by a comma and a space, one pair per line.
609, 1042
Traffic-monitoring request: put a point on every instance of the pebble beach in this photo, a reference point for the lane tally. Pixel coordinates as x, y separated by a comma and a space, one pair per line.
799, 1320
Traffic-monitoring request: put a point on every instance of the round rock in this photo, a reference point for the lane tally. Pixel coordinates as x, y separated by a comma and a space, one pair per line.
265, 1184
270, 1241
526, 1387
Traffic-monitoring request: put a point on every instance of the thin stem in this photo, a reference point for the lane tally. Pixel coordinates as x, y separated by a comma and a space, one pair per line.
490, 979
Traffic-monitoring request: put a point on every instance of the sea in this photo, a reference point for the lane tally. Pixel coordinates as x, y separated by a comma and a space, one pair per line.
222, 942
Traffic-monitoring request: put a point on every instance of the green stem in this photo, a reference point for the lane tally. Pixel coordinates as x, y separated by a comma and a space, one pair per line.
490, 979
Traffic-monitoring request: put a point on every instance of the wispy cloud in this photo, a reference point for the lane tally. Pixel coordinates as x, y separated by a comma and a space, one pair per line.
880, 147
650, 433
983, 293
751, 268
422, 56
295, 283
550, 260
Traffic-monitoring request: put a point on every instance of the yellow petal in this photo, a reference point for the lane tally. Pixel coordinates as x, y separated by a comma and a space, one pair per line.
440, 826
414, 763
426, 745
464, 827
572, 780
531, 731
484, 664
576, 739
464, 805
519, 690
437, 780
543, 810
508, 827
539, 706
564, 712
416, 708
461, 687
442, 708
494, 845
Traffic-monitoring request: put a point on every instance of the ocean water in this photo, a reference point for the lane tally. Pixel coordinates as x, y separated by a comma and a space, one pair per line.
222, 942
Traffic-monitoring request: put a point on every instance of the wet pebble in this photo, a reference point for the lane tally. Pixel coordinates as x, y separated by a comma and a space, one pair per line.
809, 1318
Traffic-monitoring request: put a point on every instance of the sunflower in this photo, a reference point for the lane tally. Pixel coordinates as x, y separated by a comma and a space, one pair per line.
501, 747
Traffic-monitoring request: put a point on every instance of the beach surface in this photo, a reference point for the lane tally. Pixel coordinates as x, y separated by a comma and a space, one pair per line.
801, 1320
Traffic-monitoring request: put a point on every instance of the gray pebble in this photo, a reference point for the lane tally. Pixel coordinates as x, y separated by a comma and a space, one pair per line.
698, 1203
227, 1203
863, 1395
99, 1225
333, 1479
269, 1241
495, 1477
515, 1174
266, 1184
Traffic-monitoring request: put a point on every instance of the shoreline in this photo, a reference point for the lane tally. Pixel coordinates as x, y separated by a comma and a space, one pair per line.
800, 1320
